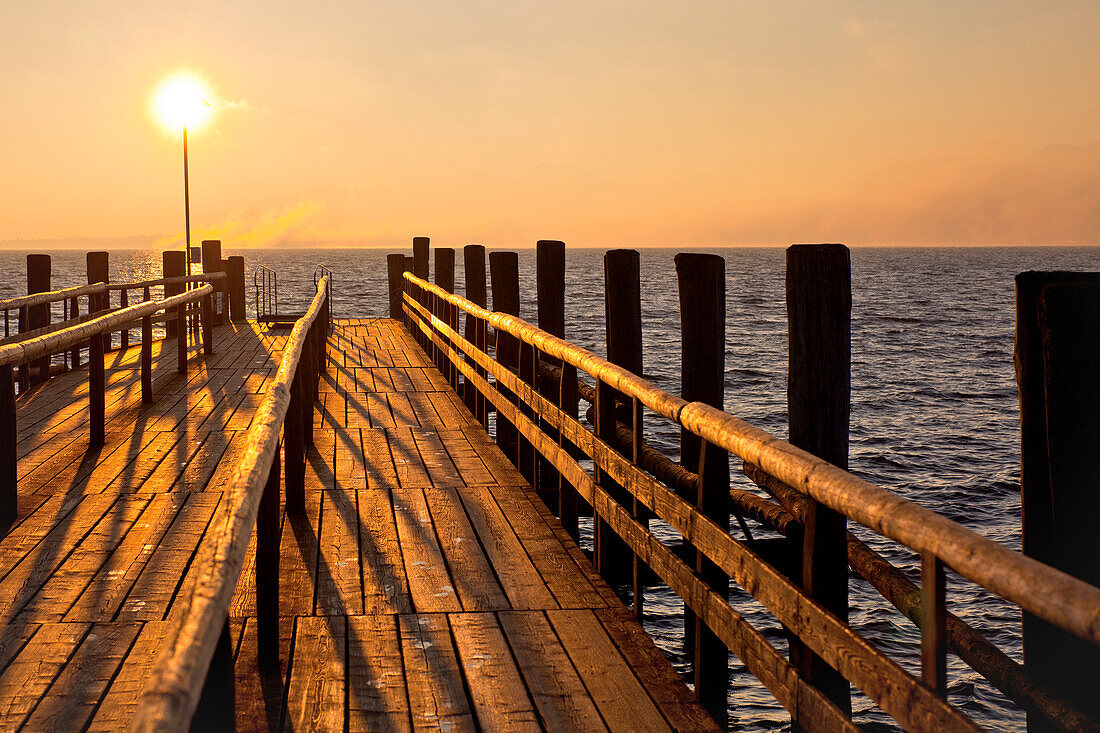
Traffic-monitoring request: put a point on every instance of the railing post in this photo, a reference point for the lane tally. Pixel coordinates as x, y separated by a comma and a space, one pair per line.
147, 354
208, 324
819, 306
1057, 316
235, 271
174, 264
473, 260
267, 569
96, 388
623, 319
308, 369
216, 709
702, 294
294, 446
211, 263
181, 338
124, 301
9, 459
74, 313
504, 274
99, 271
38, 316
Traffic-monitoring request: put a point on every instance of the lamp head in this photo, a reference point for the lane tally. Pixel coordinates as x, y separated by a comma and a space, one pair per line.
181, 102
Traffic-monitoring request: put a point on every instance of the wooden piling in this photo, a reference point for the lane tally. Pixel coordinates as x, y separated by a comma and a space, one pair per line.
623, 332
212, 262
99, 271
173, 264
473, 265
504, 275
395, 270
550, 291
9, 460
420, 257
38, 316
445, 278
819, 305
1056, 354
235, 272
702, 292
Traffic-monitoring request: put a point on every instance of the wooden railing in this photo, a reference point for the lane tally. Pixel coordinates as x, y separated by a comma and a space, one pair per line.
41, 344
529, 377
195, 659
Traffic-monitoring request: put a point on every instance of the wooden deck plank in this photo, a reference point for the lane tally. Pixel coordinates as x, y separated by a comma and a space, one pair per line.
472, 574
85, 678
559, 694
437, 696
430, 584
377, 695
498, 694
315, 692
623, 702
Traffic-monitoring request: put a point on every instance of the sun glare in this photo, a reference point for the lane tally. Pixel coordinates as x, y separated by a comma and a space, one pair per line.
181, 101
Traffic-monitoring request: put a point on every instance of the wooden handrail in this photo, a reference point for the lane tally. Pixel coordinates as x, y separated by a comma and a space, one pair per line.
54, 296
1047, 592
172, 692
51, 343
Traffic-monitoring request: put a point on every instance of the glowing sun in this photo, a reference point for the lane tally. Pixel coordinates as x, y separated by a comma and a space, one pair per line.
181, 101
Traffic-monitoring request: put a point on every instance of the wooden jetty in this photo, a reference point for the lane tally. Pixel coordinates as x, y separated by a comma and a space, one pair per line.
371, 524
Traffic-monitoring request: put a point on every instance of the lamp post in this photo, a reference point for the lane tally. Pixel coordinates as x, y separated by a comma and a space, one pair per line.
186, 204
180, 102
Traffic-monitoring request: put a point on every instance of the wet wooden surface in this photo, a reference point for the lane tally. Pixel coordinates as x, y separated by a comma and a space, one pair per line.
425, 586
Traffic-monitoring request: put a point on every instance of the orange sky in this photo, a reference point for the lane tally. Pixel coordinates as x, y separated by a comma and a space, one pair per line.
684, 123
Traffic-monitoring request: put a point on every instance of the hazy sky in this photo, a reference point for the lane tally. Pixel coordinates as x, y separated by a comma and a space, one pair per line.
687, 123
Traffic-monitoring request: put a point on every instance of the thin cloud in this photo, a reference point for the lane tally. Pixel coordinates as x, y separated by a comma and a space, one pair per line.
879, 40
268, 229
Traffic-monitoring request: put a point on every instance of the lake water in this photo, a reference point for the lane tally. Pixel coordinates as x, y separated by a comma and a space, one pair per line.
934, 404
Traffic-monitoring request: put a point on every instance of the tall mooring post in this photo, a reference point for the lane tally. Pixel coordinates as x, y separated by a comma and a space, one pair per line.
234, 268
1057, 353
504, 274
212, 262
550, 288
473, 266
99, 271
819, 314
623, 331
395, 272
38, 316
702, 289
445, 278
173, 264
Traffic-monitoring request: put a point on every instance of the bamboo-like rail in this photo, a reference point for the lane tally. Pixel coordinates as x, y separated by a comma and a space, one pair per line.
51, 343
1053, 595
55, 296
172, 692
